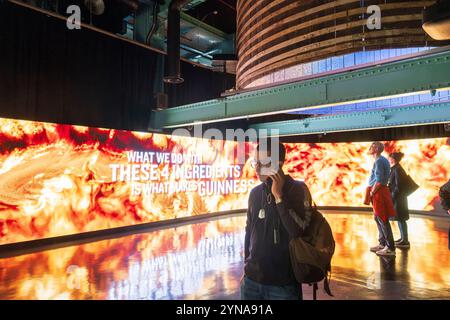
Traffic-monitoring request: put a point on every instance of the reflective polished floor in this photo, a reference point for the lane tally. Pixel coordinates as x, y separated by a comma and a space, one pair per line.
204, 261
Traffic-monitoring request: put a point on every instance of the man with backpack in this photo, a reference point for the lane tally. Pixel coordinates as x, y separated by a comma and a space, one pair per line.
268, 273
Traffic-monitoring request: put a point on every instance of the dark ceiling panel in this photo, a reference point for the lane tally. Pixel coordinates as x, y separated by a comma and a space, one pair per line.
224, 20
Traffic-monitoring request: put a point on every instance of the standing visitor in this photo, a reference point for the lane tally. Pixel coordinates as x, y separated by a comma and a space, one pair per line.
398, 181
380, 196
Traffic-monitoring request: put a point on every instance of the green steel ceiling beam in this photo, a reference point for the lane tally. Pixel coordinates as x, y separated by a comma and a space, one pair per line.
377, 119
421, 74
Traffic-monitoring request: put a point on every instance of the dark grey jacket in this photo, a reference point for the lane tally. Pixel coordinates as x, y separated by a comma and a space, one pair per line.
397, 184
444, 194
266, 262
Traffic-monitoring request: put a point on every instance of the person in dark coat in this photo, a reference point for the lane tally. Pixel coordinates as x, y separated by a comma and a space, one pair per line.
444, 194
397, 185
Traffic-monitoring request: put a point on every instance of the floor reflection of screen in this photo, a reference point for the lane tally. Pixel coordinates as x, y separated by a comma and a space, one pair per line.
182, 273
205, 261
61, 179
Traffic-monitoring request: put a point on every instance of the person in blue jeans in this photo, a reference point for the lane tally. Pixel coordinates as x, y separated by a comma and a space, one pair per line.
397, 185
252, 290
268, 273
383, 206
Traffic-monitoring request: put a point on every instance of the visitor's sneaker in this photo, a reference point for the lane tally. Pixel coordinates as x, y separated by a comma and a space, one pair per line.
402, 245
386, 252
377, 248
398, 241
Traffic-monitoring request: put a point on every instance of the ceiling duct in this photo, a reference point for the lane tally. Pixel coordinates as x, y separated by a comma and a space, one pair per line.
224, 63
109, 15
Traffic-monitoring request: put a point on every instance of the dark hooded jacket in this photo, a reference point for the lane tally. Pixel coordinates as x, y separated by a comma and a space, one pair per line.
397, 184
444, 194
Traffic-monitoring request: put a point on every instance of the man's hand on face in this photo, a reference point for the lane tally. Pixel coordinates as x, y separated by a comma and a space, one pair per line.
278, 180
448, 211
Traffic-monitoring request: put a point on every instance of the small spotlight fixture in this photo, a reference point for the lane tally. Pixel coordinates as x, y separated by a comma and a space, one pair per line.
96, 7
436, 20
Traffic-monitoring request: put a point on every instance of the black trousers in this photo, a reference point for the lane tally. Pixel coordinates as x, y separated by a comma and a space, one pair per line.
385, 236
403, 227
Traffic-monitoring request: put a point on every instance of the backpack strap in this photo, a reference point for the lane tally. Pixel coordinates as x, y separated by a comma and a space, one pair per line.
309, 208
326, 282
315, 288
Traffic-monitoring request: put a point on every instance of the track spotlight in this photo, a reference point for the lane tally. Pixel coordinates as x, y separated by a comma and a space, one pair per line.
436, 20
96, 7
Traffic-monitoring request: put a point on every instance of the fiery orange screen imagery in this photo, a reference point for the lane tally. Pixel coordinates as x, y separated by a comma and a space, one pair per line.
60, 179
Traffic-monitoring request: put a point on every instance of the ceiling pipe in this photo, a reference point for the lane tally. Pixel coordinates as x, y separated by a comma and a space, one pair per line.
173, 73
154, 27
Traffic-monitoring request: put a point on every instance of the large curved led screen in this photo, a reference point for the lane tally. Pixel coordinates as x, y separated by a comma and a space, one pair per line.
60, 179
